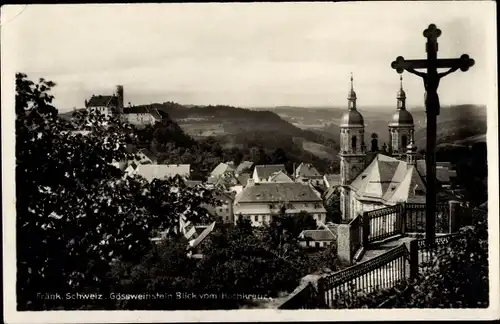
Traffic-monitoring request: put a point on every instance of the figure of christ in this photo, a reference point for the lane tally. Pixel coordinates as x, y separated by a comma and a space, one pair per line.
431, 85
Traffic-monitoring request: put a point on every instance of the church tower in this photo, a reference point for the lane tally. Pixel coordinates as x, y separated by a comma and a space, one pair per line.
401, 126
352, 149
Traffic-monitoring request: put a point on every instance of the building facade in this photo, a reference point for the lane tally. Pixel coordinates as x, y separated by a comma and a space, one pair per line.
258, 202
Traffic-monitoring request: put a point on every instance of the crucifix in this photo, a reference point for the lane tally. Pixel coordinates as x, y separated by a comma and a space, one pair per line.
431, 83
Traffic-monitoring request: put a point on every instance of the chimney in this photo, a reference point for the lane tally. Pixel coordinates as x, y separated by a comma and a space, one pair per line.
119, 95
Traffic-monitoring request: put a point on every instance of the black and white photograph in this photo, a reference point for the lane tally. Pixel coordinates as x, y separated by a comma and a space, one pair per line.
262, 161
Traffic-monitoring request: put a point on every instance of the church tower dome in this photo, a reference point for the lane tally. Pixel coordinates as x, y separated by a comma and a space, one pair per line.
401, 125
352, 117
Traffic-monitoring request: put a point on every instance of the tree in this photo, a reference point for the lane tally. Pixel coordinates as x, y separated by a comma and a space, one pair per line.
76, 213
457, 275
333, 213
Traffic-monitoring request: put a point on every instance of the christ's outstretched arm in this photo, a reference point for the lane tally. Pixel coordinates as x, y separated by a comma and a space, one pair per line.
440, 75
420, 74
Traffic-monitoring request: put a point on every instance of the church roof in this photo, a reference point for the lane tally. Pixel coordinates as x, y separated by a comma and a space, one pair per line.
386, 179
391, 180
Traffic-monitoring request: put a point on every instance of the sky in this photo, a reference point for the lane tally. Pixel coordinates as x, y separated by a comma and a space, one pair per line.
246, 55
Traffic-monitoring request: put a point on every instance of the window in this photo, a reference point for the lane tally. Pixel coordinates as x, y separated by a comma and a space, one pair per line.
404, 142
317, 244
353, 143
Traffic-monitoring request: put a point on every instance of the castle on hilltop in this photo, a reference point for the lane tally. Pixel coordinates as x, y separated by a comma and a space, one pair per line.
376, 179
113, 105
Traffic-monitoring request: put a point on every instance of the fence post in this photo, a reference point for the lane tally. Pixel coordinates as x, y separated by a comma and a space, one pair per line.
454, 217
321, 291
344, 243
403, 218
366, 229
413, 247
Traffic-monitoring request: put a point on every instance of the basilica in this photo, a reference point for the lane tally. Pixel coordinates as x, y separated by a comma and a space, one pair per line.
373, 180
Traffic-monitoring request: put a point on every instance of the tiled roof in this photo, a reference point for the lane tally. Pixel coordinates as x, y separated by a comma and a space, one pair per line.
280, 177
243, 178
277, 192
136, 110
155, 113
150, 155
328, 194
162, 171
99, 101
307, 170
317, 235
222, 168
243, 167
265, 171
443, 170
192, 183
202, 236
333, 179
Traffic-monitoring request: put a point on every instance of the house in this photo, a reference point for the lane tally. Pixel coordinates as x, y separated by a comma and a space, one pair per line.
330, 194
280, 177
262, 173
223, 168
141, 116
195, 245
224, 181
319, 238
244, 167
142, 156
444, 173
306, 172
162, 171
224, 211
243, 178
259, 201
113, 105
331, 180
107, 104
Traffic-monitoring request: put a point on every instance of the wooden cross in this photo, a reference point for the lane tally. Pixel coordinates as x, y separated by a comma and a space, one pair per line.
431, 83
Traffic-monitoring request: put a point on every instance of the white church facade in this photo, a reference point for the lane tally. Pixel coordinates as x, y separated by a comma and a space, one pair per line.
370, 182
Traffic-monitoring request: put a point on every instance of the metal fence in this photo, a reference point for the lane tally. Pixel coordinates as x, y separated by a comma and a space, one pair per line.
414, 216
426, 253
384, 223
356, 234
381, 272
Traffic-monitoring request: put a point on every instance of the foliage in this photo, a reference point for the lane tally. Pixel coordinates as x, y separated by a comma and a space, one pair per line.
76, 213
457, 274
333, 213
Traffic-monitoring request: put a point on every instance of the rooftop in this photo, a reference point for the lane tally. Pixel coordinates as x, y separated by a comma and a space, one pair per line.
162, 171
277, 192
265, 171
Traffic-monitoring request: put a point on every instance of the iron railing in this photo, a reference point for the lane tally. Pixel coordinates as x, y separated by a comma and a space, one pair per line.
381, 272
384, 222
356, 233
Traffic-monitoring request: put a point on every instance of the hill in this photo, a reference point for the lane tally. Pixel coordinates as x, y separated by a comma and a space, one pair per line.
240, 127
